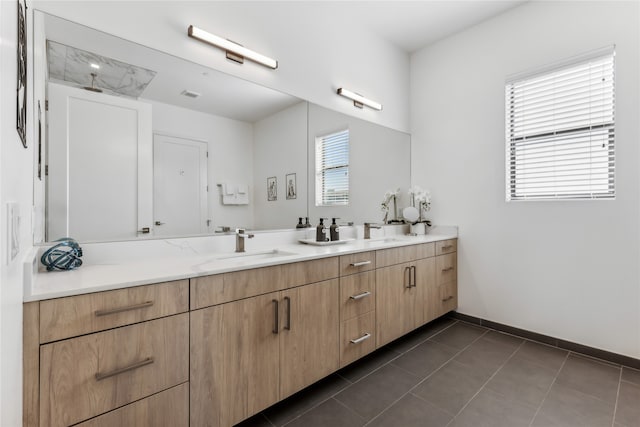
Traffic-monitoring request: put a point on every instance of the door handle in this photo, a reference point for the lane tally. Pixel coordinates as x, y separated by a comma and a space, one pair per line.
145, 230
407, 282
288, 325
414, 269
276, 312
159, 223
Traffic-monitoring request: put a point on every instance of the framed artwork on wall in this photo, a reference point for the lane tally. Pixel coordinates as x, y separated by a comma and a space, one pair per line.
272, 189
290, 182
21, 101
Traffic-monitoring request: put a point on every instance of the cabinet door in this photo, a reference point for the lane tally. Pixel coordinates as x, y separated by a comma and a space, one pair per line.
309, 335
395, 298
234, 360
427, 297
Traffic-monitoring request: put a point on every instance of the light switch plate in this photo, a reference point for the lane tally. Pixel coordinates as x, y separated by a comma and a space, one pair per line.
13, 231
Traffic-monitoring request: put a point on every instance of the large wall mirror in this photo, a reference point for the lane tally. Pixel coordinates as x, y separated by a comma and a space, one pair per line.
136, 143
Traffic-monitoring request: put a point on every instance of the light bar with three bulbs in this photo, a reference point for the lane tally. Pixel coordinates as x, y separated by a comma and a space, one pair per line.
234, 51
359, 100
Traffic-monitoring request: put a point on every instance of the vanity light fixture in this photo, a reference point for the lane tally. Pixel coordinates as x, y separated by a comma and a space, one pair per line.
235, 52
359, 100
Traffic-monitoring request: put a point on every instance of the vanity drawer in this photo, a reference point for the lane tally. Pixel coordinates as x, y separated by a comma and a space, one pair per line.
82, 314
357, 294
169, 408
446, 269
426, 250
220, 288
305, 272
89, 375
357, 337
391, 256
446, 246
357, 263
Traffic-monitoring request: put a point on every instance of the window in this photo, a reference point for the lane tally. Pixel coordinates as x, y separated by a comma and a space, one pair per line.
560, 131
332, 169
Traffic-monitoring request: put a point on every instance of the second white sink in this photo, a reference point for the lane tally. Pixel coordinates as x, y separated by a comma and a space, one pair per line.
256, 256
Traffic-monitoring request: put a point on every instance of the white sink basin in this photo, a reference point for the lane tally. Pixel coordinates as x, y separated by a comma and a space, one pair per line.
380, 241
247, 257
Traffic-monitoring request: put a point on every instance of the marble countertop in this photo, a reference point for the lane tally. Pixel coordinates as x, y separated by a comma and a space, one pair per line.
106, 274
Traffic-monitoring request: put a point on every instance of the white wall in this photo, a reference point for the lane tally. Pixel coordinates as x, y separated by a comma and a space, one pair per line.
318, 50
16, 184
379, 161
279, 149
230, 154
565, 269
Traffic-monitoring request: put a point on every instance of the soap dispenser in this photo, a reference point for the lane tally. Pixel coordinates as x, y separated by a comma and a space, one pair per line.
334, 230
307, 224
321, 231
300, 224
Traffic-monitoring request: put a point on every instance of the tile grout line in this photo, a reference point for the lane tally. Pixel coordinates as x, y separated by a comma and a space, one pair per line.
549, 390
489, 379
615, 408
426, 378
359, 379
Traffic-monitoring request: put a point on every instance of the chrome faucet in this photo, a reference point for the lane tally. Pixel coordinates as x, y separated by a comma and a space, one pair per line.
240, 235
367, 229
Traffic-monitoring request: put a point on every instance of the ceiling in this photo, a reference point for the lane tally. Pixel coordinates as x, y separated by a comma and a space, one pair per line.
411, 25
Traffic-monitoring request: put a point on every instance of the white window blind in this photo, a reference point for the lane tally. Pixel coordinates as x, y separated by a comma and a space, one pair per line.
332, 169
560, 132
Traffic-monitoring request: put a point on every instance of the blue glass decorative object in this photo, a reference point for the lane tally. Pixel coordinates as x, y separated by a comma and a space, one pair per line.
64, 255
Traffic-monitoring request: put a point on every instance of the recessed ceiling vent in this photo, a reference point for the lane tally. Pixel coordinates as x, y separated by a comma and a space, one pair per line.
191, 94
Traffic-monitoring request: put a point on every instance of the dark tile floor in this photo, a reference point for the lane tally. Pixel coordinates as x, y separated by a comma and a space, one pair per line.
452, 373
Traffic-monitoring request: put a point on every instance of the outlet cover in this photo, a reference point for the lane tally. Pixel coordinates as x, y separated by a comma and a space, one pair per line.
13, 231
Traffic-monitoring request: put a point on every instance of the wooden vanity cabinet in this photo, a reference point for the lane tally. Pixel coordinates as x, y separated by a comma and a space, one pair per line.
246, 355
138, 356
105, 356
403, 290
235, 360
357, 306
309, 334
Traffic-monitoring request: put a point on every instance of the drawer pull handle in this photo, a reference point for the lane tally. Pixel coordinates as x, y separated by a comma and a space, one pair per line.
122, 309
447, 247
447, 269
276, 315
407, 273
447, 298
362, 338
359, 296
145, 362
360, 263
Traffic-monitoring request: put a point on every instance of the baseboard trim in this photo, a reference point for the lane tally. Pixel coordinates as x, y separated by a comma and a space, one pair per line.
555, 342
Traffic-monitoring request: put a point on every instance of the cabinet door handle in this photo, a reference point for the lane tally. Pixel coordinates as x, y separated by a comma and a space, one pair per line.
359, 296
407, 273
288, 325
147, 361
447, 269
362, 338
414, 269
276, 312
447, 298
445, 247
145, 304
360, 263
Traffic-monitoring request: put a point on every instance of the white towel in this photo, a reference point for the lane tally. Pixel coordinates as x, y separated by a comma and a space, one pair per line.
243, 188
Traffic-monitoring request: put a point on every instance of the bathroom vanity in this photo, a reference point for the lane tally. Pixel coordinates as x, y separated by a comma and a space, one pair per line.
222, 338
